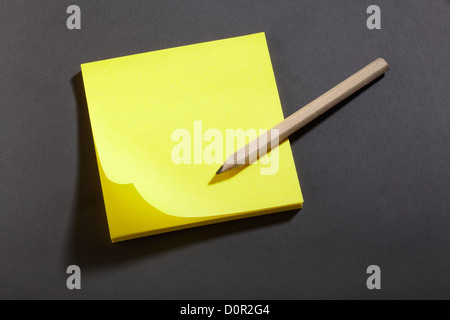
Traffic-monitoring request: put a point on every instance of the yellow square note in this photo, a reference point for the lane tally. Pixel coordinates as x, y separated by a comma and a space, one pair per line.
162, 122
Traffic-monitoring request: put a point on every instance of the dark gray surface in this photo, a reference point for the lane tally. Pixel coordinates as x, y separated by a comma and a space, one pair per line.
374, 172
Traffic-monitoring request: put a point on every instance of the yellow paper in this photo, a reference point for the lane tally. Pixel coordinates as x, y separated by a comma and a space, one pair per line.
137, 102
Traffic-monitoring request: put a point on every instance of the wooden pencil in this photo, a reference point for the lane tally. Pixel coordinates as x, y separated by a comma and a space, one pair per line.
270, 139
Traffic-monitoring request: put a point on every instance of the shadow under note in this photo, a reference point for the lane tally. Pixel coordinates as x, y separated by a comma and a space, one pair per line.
89, 243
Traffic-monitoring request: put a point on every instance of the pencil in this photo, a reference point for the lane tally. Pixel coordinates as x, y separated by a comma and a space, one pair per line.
270, 139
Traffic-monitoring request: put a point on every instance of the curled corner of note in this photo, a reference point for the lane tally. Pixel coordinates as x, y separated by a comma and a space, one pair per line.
130, 215
112, 187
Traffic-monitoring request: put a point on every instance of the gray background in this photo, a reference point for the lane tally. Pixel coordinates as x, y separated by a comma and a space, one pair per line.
375, 171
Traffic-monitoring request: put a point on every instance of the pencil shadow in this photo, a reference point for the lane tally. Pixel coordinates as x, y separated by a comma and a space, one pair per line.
226, 175
89, 244
298, 134
304, 130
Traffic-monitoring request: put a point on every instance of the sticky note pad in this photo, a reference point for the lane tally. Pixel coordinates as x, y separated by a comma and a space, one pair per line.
161, 122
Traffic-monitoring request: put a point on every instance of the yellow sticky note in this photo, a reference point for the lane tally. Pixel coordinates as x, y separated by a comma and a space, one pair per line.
156, 120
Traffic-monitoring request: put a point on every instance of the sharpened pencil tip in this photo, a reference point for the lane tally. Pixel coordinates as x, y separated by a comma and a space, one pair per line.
220, 170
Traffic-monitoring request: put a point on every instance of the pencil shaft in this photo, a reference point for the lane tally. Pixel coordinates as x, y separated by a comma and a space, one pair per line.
261, 145
331, 98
